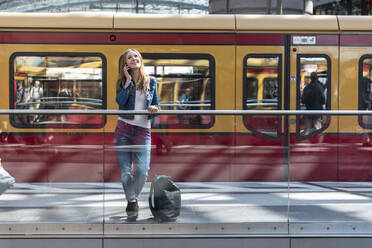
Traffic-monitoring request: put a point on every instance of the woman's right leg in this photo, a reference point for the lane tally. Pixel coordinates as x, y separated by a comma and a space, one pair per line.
123, 149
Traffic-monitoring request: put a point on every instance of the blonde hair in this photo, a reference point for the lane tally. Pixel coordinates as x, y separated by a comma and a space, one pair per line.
143, 83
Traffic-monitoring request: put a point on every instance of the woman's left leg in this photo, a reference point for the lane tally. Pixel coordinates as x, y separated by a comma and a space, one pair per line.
141, 158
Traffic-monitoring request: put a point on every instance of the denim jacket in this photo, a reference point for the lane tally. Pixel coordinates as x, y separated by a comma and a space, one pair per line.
126, 101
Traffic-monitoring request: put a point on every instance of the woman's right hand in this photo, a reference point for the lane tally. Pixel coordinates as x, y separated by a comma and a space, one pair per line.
126, 71
127, 75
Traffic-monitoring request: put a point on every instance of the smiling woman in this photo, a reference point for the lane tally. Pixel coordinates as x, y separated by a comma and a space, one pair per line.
135, 90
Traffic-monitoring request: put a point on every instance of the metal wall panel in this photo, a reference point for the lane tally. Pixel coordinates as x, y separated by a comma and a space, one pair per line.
331, 242
198, 243
51, 243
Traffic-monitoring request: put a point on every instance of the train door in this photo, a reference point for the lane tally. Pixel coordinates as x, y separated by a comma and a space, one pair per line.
259, 73
355, 94
313, 86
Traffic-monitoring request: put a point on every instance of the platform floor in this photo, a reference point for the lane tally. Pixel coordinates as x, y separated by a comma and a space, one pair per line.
270, 208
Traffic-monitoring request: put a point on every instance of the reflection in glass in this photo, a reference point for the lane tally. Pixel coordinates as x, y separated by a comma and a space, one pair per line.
313, 88
252, 89
57, 82
184, 84
365, 94
261, 87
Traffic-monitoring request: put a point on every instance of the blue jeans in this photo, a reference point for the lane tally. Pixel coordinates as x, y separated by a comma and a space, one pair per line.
133, 147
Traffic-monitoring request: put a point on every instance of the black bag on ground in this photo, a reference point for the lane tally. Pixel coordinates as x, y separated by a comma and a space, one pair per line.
164, 199
6, 180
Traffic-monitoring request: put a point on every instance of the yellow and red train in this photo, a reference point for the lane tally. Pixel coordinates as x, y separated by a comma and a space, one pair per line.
223, 62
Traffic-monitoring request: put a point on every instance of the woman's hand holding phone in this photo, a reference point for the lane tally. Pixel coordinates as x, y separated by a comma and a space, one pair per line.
128, 77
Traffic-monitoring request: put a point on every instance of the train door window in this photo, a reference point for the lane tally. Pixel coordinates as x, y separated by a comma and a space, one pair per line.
313, 92
185, 82
365, 90
252, 89
57, 81
261, 91
167, 95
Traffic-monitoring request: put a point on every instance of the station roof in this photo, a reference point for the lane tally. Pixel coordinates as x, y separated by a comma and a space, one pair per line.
131, 6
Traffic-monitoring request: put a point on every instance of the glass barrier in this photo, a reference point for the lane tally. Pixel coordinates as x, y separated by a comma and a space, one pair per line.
58, 175
227, 184
330, 177
235, 177
69, 181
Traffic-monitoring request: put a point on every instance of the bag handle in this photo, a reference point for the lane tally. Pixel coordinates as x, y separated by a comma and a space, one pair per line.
152, 208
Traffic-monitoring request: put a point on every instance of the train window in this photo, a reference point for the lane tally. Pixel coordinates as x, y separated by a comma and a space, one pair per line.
57, 81
262, 79
270, 89
317, 69
185, 82
365, 90
252, 89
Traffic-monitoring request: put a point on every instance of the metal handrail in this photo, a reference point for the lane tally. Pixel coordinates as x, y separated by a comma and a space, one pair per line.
70, 97
184, 105
261, 104
60, 102
185, 112
261, 100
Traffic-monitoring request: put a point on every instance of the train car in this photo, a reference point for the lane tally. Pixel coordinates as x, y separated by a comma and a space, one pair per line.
222, 62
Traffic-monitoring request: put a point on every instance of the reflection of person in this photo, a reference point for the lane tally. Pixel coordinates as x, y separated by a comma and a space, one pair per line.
185, 98
19, 94
36, 93
367, 94
366, 104
65, 91
64, 97
19, 103
313, 98
135, 90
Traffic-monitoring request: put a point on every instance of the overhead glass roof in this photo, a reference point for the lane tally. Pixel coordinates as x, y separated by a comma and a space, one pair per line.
129, 6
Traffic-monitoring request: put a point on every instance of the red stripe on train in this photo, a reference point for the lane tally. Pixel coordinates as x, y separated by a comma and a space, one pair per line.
260, 39
171, 38
278, 39
141, 38
116, 38
355, 40
320, 40
175, 38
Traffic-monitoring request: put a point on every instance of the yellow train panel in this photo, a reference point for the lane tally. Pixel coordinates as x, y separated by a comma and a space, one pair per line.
173, 22
57, 20
288, 23
354, 23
